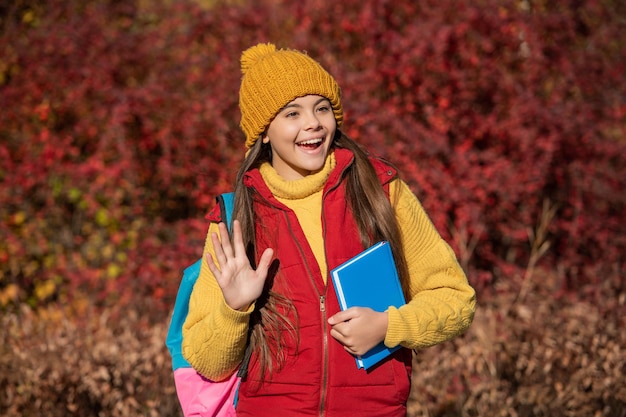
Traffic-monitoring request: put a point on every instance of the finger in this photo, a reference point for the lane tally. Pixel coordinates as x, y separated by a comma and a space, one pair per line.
337, 333
212, 266
343, 340
225, 239
239, 248
218, 250
265, 262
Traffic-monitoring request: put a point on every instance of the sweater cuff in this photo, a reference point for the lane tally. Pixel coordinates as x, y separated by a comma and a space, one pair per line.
395, 328
235, 319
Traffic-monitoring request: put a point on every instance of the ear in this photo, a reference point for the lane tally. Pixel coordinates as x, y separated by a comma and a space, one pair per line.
265, 138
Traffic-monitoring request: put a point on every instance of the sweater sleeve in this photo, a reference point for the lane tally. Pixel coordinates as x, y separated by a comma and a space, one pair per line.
443, 303
214, 335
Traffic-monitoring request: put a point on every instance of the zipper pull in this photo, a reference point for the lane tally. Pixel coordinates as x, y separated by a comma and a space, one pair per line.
322, 303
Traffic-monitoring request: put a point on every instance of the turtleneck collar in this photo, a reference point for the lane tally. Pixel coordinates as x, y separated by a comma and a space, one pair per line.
300, 188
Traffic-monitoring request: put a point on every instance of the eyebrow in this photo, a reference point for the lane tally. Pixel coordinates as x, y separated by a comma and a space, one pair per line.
300, 106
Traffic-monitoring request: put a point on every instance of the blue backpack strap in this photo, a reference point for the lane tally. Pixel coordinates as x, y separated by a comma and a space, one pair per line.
227, 202
174, 339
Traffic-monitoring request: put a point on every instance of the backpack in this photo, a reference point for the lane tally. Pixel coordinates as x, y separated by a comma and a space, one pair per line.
199, 396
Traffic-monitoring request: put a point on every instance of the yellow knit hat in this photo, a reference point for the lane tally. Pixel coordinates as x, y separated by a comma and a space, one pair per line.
272, 78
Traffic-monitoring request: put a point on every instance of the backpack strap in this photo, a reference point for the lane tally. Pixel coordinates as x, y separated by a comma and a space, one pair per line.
174, 338
227, 202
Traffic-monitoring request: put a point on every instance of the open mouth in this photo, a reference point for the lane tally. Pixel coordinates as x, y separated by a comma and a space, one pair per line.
311, 144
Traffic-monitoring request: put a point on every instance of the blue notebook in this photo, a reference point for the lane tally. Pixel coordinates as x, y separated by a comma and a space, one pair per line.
370, 279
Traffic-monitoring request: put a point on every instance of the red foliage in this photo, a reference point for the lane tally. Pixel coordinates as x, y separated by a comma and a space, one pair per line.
119, 125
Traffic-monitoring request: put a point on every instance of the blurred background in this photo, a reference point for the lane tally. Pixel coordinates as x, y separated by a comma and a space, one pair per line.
119, 126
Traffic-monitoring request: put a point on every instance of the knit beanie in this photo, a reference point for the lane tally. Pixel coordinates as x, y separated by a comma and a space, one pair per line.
272, 78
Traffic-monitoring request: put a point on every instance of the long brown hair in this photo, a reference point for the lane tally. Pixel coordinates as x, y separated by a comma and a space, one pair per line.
376, 221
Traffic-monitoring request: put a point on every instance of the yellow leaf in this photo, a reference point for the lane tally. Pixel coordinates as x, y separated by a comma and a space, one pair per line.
28, 16
44, 289
74, 194
102, 217
108, 251
113, 271
19, 217
8, 294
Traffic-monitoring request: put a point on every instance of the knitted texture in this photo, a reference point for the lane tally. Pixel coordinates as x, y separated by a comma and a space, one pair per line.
274, 77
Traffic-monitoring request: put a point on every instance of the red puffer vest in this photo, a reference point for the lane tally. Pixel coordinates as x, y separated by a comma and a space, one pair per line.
319, 377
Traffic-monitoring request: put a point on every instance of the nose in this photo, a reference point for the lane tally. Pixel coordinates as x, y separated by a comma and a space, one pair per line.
312, 122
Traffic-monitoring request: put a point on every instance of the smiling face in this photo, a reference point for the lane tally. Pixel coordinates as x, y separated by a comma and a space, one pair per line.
300, 136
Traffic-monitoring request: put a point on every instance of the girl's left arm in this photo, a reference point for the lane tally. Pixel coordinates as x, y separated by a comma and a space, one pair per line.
443, 303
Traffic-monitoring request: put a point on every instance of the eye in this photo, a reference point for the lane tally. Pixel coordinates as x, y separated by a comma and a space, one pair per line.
323, 108
291, 114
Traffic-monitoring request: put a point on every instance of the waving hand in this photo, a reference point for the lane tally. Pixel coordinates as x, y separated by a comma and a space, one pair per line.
240, 284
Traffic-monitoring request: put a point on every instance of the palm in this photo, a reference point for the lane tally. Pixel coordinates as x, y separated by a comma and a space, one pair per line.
241, 284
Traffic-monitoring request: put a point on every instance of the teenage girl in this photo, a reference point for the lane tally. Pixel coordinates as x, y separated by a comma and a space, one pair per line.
308, 198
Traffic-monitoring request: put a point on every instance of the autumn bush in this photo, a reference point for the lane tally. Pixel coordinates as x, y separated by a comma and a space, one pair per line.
535, 358
53, 365
540, 357
119, 125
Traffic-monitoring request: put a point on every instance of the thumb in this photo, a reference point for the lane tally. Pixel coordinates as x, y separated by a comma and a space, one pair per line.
342, 316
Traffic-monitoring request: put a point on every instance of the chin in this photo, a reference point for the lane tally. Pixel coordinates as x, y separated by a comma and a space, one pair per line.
316, 166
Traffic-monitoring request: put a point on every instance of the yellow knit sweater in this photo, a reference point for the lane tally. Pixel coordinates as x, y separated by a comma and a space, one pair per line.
442, 304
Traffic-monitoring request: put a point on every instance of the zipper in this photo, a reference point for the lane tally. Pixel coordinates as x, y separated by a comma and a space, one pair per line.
325, 370
322, 306
325, 363
322, 297
324, 388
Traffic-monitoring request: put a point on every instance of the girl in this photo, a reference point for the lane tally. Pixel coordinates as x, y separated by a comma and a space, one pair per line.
308, 198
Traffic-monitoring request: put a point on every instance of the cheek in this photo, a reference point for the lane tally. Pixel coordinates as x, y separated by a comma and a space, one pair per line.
281, 131
331, 122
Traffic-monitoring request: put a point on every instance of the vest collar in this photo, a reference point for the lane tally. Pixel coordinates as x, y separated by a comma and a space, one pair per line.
343, 158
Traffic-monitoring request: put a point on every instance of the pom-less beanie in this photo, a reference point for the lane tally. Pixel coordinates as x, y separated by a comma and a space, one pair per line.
272, 78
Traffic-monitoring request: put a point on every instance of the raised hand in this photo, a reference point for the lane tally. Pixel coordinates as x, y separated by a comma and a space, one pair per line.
240, 284
359, 329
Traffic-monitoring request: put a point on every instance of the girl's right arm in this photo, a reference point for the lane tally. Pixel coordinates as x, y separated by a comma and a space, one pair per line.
214, 335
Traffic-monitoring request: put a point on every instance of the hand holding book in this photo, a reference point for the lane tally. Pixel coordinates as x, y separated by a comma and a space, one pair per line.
359, 329
370, 279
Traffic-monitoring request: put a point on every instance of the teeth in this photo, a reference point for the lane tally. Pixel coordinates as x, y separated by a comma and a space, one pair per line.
310, 142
